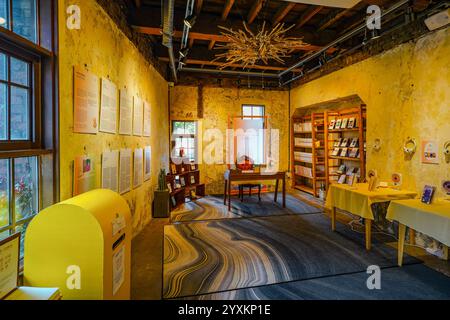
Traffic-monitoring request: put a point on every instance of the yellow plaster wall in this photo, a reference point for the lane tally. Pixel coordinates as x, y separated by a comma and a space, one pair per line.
407, 93
218, 105
108, 52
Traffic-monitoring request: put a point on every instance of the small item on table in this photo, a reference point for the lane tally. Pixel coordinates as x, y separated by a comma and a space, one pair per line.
427, 195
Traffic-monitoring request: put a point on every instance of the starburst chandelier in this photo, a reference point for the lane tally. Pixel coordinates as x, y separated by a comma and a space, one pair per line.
247, 48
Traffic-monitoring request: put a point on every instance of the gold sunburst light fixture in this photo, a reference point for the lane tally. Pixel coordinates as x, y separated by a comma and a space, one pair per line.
246, 48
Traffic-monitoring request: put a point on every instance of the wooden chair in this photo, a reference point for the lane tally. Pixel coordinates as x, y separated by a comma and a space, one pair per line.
250, 186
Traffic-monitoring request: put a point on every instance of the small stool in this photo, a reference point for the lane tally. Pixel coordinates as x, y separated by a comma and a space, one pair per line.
250, 187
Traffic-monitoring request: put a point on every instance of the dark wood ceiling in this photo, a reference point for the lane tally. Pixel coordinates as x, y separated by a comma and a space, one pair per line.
317, 25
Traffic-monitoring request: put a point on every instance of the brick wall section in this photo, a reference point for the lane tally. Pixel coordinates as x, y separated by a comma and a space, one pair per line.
117, 10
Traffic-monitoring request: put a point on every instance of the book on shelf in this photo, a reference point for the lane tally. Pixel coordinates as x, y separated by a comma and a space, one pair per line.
351, 179
358, 173
342, 179
350, 171
338, 123
354, 143
174, 201
343, 152
338, 142
341, 169
344, 123
353, 153
335, 151
183, 182
351, 123
344, 142
192, 180
332, 123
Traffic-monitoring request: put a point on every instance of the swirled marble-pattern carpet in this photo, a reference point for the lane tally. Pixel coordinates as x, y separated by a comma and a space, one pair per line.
229, 254
411, 282
212, 208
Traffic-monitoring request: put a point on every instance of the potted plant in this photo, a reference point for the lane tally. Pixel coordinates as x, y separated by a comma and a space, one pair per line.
161, 200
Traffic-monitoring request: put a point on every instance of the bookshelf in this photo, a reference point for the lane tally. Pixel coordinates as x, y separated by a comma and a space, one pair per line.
345, 144
309, 165
181, 181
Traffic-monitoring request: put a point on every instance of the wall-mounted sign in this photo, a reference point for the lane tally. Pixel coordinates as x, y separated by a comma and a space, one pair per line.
430, 152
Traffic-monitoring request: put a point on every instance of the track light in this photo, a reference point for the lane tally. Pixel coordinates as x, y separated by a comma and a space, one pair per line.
2, 21
189, 21
184, 52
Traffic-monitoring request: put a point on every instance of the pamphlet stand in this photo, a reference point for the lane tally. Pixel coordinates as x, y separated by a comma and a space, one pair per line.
82, 246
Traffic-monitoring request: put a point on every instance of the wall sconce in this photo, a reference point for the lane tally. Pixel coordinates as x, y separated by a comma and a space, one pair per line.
410, 146
377, 145
447, 151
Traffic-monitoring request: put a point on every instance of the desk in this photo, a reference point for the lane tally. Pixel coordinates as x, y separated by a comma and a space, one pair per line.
235, 176
431, 219
358, 200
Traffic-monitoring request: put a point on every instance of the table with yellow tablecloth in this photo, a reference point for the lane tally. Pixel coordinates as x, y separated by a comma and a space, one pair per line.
358, 200
431, 219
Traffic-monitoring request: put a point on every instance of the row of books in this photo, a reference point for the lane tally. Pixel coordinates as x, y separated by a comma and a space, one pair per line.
303, 142
347, 142
343, 123
179, 183
303, 127
303, 171
345, 152
303, 156
348, 175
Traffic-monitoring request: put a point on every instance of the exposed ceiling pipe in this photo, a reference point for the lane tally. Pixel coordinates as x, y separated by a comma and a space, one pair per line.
231, 72
168, 11
346, 36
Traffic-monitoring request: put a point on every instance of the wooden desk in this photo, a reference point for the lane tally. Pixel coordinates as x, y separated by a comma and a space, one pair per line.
358, 201
236, 176
431, 219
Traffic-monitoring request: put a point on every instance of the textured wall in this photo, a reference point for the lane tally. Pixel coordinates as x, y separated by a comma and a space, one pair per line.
107, 52
218, 104
407, 93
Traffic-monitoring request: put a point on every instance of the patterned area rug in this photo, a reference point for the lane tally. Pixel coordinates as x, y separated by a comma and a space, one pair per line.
213, 256
212, 208
412, 282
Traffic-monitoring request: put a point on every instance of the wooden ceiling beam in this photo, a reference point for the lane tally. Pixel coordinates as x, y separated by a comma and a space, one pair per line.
308, 15
211, 44
337, 16
256, 8
282, 12
198, 6
227, 9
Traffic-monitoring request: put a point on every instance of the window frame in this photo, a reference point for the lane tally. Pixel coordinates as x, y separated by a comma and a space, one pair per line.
184, 135
34, 103
44, 109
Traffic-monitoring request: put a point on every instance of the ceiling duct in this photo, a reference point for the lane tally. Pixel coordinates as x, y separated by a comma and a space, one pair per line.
168, 7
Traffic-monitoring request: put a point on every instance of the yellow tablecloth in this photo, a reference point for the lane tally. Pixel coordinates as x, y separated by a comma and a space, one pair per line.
358, 199
431, 219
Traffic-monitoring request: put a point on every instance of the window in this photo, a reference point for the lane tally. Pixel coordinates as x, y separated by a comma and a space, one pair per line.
250, 140
15, 98
28, 116
184, 137
20, 16
250, 111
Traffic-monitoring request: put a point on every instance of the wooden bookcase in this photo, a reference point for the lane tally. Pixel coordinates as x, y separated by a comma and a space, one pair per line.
312, 144
188, 176
357, 131
309, 165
